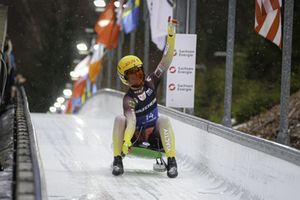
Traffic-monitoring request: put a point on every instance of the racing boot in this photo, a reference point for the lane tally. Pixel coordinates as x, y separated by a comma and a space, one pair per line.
172, 168
118, 166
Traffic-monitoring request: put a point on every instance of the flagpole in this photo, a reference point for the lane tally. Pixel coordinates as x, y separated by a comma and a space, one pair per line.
132, 42
191, 29
283, 135
179, 13
193, 16
229, 64
120, 46
110, 57
147, 36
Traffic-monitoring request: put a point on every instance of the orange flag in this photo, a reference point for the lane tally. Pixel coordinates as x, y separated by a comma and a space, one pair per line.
77, 91
105, 24
113, 42
79, 86
94, 70
95, 64
69, 106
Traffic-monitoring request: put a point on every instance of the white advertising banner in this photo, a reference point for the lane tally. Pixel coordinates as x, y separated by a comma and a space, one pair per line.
181, 74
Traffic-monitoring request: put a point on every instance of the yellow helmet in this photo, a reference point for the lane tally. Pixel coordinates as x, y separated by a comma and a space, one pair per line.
127, 63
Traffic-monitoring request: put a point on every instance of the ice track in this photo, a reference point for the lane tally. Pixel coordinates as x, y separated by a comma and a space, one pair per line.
76, 156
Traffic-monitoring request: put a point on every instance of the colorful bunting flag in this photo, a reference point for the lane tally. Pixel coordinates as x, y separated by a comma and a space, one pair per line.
82, 68
268, 20
78, 87
105, 24
95, 63
130, 17
116, 30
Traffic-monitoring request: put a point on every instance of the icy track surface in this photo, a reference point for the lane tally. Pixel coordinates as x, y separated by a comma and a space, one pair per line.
76, 155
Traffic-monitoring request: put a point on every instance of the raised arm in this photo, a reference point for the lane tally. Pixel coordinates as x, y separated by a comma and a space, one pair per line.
167, 58
169, 49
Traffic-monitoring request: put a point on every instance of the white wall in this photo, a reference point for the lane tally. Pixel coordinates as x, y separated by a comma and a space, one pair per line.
264, 169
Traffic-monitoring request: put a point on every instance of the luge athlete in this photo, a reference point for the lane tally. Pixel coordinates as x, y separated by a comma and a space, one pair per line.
140, 108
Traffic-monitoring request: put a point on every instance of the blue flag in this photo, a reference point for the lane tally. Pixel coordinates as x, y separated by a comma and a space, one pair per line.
130, 17
76, 104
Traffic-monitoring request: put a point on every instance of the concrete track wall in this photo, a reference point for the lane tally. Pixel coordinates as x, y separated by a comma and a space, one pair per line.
263, 169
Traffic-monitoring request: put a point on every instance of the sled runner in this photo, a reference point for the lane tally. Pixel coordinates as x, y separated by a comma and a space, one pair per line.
145, 151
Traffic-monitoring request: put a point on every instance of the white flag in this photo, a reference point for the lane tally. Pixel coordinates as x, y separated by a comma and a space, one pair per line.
82, 68
159, 11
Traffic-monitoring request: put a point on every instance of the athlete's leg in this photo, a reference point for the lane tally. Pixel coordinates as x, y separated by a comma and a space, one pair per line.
163, 125
118, 134
118, 137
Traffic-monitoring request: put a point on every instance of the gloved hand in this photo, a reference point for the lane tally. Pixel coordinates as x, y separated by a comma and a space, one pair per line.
171, 25
126, 147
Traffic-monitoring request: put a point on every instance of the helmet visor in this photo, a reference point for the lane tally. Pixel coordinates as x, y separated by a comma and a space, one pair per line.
135, 76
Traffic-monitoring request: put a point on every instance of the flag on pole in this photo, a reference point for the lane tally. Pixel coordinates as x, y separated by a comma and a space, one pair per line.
74, 103
130, 17
82, 68
105, 24
159, 13
86, 92
116, 30
268, 20
95, 63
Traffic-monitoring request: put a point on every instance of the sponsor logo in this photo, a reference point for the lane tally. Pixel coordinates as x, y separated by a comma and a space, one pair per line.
186, 53
139, 91
142, 96
185, 70
131, 61
149, 91
172, 70
175, 52
181, 87
167, 139
131, 104
172, 87
159, 70
146, 107
184, 87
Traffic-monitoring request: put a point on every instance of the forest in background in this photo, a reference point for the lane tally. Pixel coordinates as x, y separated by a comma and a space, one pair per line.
45, 48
